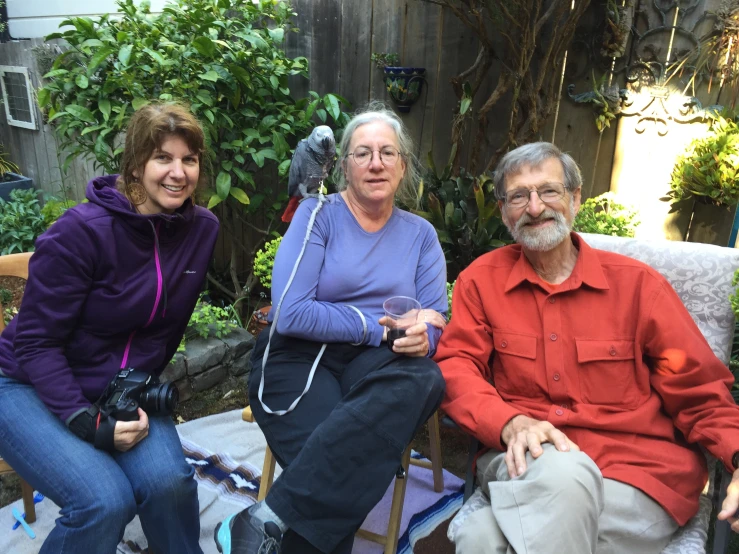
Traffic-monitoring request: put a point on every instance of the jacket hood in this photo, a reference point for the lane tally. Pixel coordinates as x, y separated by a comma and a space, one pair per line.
103, 192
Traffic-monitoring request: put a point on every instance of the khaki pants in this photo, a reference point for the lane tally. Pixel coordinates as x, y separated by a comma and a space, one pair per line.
561, 505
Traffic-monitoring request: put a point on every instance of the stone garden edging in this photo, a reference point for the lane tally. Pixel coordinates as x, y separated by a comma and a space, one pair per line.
208, 362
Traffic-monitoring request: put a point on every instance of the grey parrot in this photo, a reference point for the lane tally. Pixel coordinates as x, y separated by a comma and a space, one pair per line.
312, 162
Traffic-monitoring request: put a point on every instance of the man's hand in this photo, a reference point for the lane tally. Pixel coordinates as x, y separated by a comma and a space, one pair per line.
128, 433
524, 433
731, 503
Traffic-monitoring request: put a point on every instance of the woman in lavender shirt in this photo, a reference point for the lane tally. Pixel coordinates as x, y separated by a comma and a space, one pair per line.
341, 445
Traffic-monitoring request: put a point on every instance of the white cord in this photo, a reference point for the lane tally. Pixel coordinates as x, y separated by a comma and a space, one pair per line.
321, 200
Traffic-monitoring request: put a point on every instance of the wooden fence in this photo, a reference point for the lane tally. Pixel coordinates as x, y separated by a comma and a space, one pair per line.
338, 38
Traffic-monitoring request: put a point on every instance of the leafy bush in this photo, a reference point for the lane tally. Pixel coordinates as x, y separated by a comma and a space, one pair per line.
54, 208
207, 321
5, 297
466, 217
21, 222
709, 168
264, 260
605, 216
227, 58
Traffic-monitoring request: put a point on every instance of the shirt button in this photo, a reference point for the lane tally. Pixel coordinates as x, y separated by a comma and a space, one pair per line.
556, 376
612, 352
504, 344
553, 336
559, 412
552, 300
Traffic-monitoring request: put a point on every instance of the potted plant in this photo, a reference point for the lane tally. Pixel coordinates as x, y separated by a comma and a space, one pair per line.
264, 261
708, 174
10, 177
404, 84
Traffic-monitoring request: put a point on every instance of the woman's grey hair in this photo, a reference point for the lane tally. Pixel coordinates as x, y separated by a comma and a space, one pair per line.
407, 192
533, 155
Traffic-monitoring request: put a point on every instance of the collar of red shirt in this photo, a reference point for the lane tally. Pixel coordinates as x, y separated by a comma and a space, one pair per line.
588, 269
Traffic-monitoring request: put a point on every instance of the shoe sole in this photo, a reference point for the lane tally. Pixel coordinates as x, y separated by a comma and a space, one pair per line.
223, 540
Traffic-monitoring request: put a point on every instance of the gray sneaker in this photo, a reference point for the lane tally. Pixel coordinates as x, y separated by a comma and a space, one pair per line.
243, 533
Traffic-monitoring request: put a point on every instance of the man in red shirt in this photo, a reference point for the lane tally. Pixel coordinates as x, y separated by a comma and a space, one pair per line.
585, 369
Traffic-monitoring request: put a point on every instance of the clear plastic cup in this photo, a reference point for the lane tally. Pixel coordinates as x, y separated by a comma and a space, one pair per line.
401, 313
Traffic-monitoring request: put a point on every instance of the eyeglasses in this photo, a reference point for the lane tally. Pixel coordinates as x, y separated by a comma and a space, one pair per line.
548, 193
389, 156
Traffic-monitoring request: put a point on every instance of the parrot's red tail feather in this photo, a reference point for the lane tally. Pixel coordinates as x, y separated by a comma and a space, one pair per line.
292, 206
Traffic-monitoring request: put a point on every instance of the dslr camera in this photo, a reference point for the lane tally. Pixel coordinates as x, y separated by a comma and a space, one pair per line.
133, 388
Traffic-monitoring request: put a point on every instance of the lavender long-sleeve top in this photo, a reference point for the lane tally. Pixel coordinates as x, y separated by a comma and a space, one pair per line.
344, 266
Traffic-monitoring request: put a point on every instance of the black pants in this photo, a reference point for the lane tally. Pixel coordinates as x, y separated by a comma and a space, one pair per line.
342, 445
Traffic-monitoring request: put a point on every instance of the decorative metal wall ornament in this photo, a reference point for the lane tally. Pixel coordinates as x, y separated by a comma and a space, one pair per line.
651, 67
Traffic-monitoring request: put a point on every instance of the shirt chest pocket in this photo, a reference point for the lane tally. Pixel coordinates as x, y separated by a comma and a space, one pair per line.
606, 371
514, 364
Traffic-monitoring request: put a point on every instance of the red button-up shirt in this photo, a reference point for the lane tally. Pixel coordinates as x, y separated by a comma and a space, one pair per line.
610, 357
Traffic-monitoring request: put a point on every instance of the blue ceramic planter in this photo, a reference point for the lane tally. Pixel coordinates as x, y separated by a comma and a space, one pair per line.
11, 181
404, 84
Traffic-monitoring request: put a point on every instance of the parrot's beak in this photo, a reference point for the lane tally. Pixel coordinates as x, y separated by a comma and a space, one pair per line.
326, 143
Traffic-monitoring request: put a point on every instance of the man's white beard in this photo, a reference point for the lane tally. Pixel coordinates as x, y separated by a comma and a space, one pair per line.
546, 238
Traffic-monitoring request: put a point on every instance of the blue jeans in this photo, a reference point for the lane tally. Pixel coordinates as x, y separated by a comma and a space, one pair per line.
100, 493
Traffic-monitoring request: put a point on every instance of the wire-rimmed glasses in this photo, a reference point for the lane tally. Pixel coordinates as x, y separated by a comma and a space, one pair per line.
362, 155
548, 193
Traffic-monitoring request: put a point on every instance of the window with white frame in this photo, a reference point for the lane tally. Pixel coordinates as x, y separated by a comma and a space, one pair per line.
18, 96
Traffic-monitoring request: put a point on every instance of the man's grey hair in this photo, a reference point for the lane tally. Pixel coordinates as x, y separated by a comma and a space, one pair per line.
407, 192
533, 155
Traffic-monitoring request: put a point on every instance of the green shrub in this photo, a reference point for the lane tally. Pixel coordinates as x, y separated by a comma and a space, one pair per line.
54, 208
207, 321
605, 216
21, 222
465, 215
264, 260
5, 297
709, 168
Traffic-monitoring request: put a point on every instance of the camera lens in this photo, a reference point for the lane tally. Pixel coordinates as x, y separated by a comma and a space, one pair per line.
160, 398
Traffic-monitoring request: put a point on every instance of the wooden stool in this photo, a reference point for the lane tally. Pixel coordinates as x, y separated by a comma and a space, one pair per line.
389, 541
16, 265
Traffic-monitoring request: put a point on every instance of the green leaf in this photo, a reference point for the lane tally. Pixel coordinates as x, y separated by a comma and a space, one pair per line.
277, 34
465, 105
44, 96
223, 184
332, 105
124, 54
104, 106
139, 103
98, 58
214, 201
205, 46
156, 56
55, 73
274, 81
239, 195
81, 81
209, 76
81, 113
210, 116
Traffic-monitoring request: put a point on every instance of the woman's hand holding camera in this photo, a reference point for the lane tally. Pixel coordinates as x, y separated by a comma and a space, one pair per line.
129, 433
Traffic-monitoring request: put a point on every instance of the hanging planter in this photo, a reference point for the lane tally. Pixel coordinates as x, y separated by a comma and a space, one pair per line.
404, 84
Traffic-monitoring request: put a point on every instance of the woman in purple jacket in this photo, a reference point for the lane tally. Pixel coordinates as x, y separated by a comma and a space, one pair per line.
339, 430
111, 287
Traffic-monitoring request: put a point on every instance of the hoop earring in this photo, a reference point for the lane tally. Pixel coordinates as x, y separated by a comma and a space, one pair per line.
136, 193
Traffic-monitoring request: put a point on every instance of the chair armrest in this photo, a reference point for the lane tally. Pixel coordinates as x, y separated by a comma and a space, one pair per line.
722, 529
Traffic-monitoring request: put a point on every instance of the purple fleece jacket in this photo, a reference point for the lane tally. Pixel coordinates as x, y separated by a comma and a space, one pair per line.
104, 295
